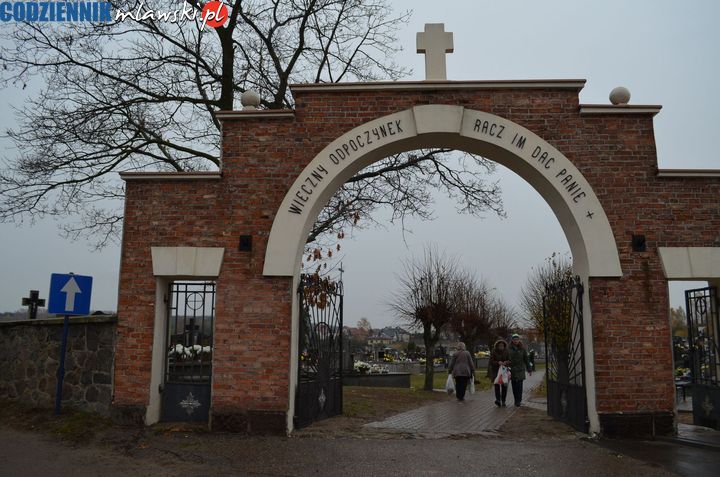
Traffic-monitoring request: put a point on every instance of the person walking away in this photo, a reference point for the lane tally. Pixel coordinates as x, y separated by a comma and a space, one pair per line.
531, 356
519, 364
499, 357
462, 368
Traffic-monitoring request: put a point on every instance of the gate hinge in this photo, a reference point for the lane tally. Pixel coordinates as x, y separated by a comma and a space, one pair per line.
161, 388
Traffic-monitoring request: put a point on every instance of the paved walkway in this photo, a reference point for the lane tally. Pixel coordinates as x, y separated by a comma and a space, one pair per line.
477, 415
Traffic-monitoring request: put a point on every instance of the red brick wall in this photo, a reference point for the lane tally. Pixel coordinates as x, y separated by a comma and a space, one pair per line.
261, 159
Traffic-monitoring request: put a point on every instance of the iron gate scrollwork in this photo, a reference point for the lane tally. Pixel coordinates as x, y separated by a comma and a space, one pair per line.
188, 364
704, 343
564, 353
319, 388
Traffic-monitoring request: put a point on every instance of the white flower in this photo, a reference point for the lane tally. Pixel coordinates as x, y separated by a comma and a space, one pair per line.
196, 348
360, 366
376, 369
207, 349
179, 348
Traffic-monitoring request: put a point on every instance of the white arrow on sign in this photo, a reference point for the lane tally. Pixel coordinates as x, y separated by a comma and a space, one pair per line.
70, 289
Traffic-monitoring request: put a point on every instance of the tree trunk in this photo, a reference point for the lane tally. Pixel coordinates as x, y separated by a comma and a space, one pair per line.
429, 353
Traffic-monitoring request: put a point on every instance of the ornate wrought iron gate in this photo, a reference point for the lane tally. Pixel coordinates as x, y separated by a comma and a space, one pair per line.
319, 389
704, 344
188, 367
563, 323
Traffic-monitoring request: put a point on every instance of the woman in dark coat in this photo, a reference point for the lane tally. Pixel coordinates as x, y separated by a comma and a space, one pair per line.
462, 367
498, 357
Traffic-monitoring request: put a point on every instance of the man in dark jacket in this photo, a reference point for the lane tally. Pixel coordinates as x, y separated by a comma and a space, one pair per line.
519, 364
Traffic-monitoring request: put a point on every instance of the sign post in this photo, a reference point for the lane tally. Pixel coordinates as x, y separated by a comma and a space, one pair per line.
61, 367
69, 295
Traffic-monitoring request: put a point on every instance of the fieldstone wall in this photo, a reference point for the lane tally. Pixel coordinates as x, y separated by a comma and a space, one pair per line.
31, 355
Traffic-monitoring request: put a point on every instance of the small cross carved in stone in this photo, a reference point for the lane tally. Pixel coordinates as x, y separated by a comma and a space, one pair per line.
434, 42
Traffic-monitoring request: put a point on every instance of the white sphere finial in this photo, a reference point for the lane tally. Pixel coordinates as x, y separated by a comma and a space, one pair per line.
620, 96
250, 99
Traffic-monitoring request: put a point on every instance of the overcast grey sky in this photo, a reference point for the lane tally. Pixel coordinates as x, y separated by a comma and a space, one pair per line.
665, 52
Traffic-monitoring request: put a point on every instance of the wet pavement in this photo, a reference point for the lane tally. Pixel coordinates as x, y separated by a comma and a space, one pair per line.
672, 457
447, 438
29, 454
477, 415
699, 435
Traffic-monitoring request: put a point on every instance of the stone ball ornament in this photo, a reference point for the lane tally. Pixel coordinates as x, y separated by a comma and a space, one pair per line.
620, 96
250, 99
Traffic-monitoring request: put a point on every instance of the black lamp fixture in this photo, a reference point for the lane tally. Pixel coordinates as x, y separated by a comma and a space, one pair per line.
639, 244
245, 243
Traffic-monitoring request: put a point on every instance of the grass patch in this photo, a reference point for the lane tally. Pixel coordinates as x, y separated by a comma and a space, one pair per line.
78, 426
482, 382
71, 425
362, 405
371, 404
541, 390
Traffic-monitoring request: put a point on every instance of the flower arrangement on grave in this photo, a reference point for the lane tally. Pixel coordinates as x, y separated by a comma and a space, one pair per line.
191, 353
361, 367
682, 372
378, 369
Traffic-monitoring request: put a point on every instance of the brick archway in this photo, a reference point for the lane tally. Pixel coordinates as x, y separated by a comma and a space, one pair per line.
616, 195
546, 169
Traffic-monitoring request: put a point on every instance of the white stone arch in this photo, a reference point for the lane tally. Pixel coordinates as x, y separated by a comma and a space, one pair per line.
546, 169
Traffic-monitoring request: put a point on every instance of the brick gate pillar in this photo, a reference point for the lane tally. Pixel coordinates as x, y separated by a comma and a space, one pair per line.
633, 357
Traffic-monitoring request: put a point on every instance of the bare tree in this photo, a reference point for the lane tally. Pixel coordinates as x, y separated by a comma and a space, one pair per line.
364, 324
678, 322
472, 309
424, 299
503, 320
142, 95
556, 269
404, 183
478, 313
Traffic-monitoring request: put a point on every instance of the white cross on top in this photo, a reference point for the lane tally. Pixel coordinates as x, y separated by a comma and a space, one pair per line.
434, 42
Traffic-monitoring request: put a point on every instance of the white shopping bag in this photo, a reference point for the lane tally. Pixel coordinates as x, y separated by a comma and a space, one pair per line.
503, 375
450, 384
472, 385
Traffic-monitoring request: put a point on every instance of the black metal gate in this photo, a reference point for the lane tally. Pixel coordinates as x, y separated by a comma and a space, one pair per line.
564, 353
319, 389
188, 367
703, 342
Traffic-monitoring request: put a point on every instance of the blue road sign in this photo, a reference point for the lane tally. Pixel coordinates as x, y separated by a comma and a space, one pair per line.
69, 294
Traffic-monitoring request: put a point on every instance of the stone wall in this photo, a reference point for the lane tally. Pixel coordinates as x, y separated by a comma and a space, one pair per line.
31, 355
